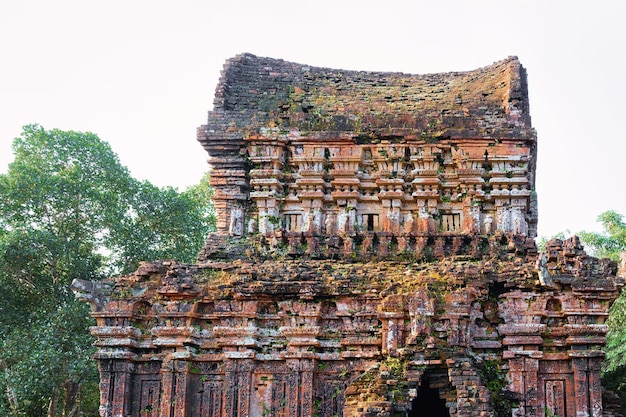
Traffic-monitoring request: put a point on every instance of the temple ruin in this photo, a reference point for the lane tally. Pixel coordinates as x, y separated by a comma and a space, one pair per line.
374, 257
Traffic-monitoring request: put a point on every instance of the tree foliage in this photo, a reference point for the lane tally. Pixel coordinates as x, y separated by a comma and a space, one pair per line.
543, 241
69, 209
614, 366
612, 241
163, 223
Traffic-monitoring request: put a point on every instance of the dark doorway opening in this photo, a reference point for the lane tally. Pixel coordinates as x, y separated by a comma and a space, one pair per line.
428, 402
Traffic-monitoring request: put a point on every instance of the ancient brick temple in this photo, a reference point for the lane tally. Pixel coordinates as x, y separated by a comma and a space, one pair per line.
374, 257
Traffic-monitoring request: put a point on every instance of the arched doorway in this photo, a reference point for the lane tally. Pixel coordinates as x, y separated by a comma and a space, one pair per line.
428, 401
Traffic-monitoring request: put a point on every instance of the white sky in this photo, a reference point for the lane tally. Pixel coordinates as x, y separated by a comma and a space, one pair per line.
142, 74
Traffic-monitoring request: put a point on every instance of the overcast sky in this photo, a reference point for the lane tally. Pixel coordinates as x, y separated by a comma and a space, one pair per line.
142, 74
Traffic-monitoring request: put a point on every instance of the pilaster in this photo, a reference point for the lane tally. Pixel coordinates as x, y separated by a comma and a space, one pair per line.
115, 387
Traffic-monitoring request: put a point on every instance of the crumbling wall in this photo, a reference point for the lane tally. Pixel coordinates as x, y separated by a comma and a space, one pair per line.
319, 337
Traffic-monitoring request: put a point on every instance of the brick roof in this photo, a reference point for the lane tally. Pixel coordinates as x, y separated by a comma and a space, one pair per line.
257, 93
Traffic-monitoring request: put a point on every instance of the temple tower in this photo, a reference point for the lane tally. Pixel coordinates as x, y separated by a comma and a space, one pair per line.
374, 257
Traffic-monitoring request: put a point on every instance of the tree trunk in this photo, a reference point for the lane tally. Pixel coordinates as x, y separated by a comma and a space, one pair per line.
53, 404
70, 406
12, 400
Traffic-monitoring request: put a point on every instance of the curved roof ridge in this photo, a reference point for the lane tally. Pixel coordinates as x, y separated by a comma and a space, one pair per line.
484, 102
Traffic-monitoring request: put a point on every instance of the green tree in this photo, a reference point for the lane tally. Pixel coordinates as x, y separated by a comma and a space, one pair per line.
543, 241
612, 241
57, 200
69, 209
163, 223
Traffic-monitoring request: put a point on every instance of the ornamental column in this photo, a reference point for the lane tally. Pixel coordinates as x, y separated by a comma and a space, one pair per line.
346, 186
266, 181
238, 383
300, 387
115, 386
426, 189
523, 342
586, 365
175, 377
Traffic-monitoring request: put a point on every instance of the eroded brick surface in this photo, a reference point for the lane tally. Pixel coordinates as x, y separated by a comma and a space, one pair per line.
374, 257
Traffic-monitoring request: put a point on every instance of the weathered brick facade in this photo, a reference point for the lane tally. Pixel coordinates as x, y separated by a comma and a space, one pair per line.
374, 257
